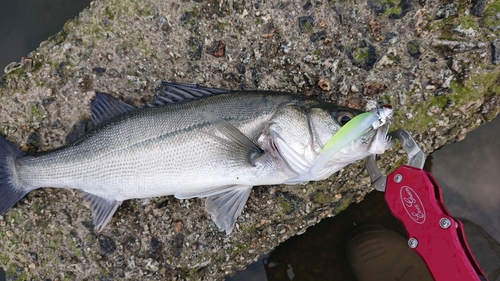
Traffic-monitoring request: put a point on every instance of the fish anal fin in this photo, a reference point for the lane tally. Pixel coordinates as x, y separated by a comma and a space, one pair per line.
102, 209
105, 107
225, 207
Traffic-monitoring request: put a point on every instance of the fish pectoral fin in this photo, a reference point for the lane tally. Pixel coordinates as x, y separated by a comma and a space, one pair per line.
105, 107
224, 208
102, 209
241, 142
294, 160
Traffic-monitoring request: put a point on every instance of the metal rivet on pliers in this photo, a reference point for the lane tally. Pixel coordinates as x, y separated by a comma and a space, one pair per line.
413, 243
398, 178
444, 223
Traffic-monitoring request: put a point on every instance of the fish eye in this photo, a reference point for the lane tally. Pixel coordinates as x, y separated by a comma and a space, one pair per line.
344, 116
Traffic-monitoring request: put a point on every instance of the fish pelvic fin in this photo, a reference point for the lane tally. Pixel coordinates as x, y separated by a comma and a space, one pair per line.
10, 190
225, 208
102, 209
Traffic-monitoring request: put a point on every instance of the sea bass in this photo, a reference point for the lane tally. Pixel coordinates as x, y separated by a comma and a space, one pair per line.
194, 141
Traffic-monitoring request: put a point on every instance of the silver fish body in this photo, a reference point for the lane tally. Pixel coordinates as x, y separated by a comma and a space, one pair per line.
192, 142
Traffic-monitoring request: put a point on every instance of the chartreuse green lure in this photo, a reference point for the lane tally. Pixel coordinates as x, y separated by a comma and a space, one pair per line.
355, 128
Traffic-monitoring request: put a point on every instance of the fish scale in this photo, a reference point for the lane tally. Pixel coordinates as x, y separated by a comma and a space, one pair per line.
191, 141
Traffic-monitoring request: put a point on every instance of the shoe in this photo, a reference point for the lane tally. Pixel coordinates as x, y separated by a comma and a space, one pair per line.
376, 253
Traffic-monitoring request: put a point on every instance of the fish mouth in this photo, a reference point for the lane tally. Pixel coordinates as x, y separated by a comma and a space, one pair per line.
375, 122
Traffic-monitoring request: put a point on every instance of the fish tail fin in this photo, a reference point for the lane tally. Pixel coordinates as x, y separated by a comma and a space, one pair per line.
10, 193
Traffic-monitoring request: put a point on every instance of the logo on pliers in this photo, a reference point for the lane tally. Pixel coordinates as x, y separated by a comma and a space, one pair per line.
412, 204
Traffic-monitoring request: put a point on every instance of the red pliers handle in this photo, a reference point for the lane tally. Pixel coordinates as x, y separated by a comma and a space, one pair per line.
414, 197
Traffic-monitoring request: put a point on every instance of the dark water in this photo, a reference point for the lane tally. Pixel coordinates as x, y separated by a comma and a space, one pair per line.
467, 171
24, 24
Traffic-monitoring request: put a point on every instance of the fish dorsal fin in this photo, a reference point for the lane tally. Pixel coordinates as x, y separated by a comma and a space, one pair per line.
244, 146
225, 207
169, 93
102, 209
105, 107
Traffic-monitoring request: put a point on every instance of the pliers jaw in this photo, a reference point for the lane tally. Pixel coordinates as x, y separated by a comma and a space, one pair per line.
416, 158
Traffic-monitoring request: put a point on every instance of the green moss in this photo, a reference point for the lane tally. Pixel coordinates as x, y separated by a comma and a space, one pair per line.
4, 259
320, 198
36, 113
477, 87
13, 272
360, 54
144, 12
285, 206
15, 215
345, 203
307, 26
38, 64
59, 37
492, 9
393, 7
489, 18
18, 71
480, 85
467, 22
109, 13
396, 10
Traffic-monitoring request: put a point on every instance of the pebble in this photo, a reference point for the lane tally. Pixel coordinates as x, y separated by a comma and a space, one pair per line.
469, 32
106, 245
34, 141
246, 57
354, 89
446, 11
218, 49
315, 37
413, 49
495, 51
194, 48
285, 47
99, 70
446, 83
362, 54
432, 110
390, 38
477, 8
324, 84
306, 23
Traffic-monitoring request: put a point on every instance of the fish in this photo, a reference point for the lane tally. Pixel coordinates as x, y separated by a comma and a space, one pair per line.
193, 141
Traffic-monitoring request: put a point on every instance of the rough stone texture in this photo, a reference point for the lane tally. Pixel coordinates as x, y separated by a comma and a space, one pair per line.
125, 47
495, 51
